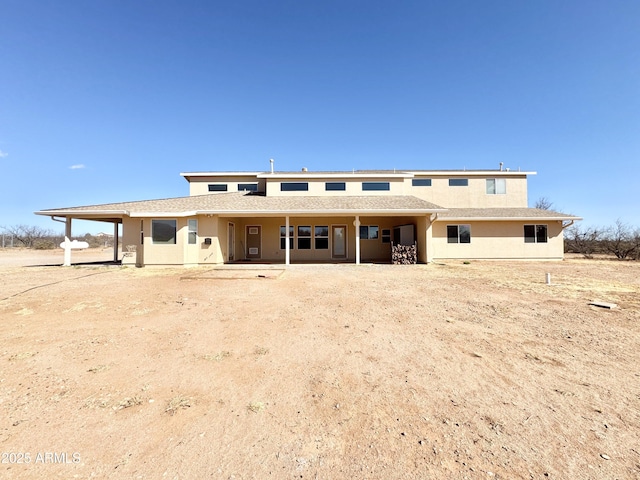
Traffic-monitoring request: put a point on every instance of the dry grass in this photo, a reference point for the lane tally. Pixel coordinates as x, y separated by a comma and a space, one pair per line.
256, 407
177, 403
261, 350
21, 356
216, 357
128, 402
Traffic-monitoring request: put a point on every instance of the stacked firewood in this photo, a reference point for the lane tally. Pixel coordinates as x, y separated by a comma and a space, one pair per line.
404, 254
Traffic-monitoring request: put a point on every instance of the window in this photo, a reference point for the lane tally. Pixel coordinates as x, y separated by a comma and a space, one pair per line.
321, 237
163, 232
283, 237
217, 187
249, 187
371, 186
386, 236
535, 234
421, 182
458, 182
458, 233
368, 232
335, 186
496, 186
192, 225
304, 237
294, 186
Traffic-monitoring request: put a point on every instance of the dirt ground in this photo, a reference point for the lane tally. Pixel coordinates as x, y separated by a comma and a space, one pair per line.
452, 370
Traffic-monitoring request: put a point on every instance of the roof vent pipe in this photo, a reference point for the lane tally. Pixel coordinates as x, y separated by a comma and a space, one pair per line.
501, 165
271, 162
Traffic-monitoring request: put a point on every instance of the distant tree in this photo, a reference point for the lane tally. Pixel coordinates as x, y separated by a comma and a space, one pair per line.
29, 235
584, 241
622, 241
94, 241
543, 203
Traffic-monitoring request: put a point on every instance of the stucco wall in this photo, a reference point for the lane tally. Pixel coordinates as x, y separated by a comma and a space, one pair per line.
353, 187
370, 250
472, 196
489, 240
497, 240
164, 254
132, 253
200, 185
215, 229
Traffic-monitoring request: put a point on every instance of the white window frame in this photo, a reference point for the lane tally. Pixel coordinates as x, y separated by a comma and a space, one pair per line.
370, 228
192, 231
535, 237
156, 221
459, 233
496, 186
283, 244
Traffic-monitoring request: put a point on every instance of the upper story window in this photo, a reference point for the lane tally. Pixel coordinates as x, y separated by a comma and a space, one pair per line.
294, 186
217, 187
370, 186
421, 182
496, 186
458, 182
248, 187
535, 234
335, 186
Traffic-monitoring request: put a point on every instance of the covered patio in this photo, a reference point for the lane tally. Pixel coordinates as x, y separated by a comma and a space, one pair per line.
239, 226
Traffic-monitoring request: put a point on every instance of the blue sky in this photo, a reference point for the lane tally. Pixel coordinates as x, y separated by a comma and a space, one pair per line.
106, 101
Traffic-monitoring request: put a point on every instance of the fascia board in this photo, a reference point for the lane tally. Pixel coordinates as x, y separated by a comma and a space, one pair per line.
504, 219
471, 173
191, 213
279, 213
320, 176
70, 213
220, 174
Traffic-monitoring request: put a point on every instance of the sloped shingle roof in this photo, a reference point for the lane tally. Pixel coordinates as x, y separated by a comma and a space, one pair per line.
504, 214
242, 203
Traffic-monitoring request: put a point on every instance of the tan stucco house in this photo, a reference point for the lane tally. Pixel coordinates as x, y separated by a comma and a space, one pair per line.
349, 216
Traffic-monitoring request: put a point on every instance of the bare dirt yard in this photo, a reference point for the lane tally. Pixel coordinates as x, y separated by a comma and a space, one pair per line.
457, 371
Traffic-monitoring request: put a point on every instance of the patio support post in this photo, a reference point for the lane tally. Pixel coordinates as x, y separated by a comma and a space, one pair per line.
357, 225
287, 250
67, 243
115, 242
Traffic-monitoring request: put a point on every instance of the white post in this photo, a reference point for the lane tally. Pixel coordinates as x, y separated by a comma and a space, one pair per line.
115, 241
287, 250
357, 225
67, 243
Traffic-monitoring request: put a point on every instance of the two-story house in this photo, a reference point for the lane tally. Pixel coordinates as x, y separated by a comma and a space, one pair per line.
347, 216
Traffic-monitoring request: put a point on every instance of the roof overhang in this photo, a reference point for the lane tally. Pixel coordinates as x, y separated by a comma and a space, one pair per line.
469, 173
188, 175
323, 213
506, 219
321, 175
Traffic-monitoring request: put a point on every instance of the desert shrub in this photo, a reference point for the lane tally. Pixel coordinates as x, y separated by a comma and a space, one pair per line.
43, 244
585, 241
622, 241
